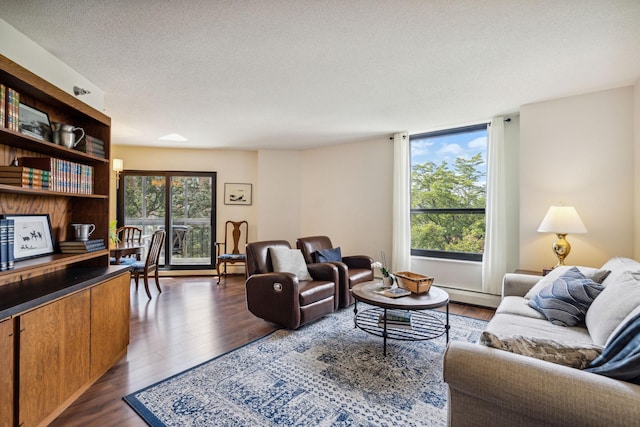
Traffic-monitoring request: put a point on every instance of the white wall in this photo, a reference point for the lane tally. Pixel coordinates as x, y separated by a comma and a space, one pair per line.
278, 195
347, 193
22, 50
578, 151
636, 179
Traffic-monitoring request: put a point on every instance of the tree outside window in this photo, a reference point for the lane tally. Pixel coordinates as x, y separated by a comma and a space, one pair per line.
448, 193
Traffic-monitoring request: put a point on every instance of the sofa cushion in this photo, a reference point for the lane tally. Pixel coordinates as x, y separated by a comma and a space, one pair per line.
544, 349
566, 300
595, 274
328, 255
285, 260
614, 304
513, 324
618, 266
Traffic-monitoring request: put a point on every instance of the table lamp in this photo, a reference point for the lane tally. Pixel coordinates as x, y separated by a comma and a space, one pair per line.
562, 220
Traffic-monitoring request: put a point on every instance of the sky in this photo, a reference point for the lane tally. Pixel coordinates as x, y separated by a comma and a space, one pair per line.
449, 147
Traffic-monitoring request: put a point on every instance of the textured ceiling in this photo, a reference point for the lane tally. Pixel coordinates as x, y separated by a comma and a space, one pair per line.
295, 74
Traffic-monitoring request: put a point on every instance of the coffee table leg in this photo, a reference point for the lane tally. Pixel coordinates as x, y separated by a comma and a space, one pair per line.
355, 313
447, 326
384, 334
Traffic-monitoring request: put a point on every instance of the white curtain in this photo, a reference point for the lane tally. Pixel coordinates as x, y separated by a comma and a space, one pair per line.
401, 240
494, 264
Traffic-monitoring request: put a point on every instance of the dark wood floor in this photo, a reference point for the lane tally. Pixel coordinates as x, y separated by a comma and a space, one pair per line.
190, 322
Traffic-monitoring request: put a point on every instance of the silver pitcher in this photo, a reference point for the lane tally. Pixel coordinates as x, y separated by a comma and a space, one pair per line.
83, 231
65, 135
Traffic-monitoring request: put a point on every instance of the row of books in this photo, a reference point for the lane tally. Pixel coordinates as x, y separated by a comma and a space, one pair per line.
92, 145
64, 176
24, 177
7, 238
82, 246
9, 108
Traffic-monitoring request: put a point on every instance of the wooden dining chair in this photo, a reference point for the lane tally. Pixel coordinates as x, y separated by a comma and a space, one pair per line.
150, 264
129, 234
235, 237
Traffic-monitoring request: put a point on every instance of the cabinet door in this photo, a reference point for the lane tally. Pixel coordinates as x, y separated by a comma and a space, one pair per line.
54, 356
6, 374
109, 323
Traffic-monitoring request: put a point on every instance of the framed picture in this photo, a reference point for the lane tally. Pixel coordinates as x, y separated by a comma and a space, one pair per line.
32, 235
237, 194
34, 123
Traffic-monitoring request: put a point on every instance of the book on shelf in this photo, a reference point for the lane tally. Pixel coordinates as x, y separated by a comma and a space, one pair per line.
11, 108
4, 245
393, 292
2, 105
11, 229
92, 145
7, 233
395, 318
81, 246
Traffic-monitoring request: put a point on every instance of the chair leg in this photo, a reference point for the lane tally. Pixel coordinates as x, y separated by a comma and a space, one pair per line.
135, 278
146, 285
157, 281
218, 271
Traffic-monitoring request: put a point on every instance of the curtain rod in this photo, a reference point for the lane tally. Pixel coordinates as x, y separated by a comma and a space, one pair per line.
508, 120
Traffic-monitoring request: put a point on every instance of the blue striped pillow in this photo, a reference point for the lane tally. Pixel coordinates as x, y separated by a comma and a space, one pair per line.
566, 301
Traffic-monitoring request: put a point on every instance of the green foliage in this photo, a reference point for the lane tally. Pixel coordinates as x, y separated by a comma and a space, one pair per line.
440, 187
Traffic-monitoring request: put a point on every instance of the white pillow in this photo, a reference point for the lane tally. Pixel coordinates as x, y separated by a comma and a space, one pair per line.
286, 260
590, 273
612, 306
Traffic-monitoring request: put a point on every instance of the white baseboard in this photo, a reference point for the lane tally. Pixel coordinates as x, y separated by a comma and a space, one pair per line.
475, 298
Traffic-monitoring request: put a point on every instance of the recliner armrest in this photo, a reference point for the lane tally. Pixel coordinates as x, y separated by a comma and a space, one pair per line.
358, 261
323, 271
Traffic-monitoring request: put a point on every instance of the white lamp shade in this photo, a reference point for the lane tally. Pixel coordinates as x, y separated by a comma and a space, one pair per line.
562, 220
118, 165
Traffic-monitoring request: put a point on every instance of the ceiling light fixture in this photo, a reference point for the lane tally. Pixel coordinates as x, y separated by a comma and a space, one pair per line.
173, 137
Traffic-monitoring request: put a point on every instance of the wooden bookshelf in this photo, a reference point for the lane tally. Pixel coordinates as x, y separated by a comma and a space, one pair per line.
66, 302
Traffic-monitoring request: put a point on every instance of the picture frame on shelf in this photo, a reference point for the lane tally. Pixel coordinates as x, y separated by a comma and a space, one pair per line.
237, 193
33, 236
34, 123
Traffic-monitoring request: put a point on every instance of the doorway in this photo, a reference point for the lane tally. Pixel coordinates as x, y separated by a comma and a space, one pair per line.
183, 202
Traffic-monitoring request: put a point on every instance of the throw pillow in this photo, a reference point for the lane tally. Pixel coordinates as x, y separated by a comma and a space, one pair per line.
328, 255
613, 305
544, 349
594, 274
286, 260
566, 301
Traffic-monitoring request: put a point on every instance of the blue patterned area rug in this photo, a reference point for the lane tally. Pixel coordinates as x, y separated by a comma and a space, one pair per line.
327, 373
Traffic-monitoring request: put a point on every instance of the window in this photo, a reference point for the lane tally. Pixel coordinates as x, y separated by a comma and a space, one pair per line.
183, 202
448, 193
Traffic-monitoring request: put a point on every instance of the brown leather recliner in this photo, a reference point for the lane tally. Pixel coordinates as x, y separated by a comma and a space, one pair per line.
351, 270
280, 297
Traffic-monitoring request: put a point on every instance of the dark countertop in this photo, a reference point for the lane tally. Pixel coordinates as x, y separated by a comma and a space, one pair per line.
21, 296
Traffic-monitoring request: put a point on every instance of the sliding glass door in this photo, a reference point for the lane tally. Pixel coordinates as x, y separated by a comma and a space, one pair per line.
183, 202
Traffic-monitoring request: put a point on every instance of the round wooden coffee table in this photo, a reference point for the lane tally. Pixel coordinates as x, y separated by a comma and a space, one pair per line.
422, 325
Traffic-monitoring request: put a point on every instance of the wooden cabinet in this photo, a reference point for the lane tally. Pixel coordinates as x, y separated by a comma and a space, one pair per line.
67, 314
7, 378
109, 323
54, 355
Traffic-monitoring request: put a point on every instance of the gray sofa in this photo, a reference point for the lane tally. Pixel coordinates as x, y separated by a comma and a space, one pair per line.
490, 386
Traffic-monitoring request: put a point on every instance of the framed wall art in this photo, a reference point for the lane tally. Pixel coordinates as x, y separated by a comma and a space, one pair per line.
34, 123
32, 235
237, 194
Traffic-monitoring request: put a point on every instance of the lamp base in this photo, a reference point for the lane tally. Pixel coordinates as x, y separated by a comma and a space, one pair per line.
561, 248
